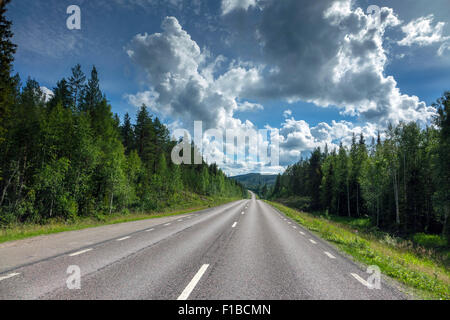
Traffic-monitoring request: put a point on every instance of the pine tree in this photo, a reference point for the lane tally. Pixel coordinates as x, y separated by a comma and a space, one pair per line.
442, 196
127, 134
61, 94
77, 85
92, 95
7, 50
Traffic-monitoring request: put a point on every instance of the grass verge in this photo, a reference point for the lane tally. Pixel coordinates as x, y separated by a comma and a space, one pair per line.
426, 277
24, 231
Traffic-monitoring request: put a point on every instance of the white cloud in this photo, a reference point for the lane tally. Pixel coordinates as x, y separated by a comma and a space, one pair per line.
298, 139
249, 106
231, 5
287, 113
48, 94
181, 79
342, 63
422, 32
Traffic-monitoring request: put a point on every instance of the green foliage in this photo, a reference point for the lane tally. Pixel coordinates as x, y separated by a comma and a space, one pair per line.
69, 158
399, 184
429, 240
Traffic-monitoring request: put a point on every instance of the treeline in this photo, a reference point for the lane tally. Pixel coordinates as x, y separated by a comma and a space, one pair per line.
402, 183
68, 155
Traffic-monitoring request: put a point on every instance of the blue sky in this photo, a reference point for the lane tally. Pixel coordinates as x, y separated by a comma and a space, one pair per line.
240, 64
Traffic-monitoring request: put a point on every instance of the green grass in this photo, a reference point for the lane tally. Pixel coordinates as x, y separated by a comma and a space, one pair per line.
420, 270
23, 231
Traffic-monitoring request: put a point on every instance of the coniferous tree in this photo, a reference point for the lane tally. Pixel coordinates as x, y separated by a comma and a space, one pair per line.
7, 83
77, 85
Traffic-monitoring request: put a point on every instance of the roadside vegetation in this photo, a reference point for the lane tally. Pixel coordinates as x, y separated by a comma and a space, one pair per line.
398, 183
422, 266
193, 203
65, 157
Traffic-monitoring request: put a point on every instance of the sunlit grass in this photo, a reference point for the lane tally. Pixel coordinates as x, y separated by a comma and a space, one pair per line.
416, 267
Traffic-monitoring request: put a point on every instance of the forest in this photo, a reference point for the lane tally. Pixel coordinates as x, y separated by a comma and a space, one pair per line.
401, 181
66, 155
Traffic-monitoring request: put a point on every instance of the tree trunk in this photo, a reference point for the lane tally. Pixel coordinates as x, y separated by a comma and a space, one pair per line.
357, 200
348, 200
21, 177
378, 211
111, 203
5, 189
397, 210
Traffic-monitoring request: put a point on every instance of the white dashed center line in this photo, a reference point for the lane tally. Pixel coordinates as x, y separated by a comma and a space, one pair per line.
330, 255
124, 238
234, 225
294, 227
312, 241
302, 233
79, 252
187, 292
9, 276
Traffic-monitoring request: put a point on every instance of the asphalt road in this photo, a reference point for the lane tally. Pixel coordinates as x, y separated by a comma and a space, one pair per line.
242, 250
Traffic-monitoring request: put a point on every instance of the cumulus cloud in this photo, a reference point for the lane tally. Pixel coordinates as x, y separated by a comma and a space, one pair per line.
182, 82
422, 32
341, 63
298, 139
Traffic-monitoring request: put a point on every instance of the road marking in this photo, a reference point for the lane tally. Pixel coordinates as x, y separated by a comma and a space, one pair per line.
9, 276
294, 227
312, 241
149, 230
188, 290
330, 255
302, 233
181, 220
289, 222
79, 252
364, 282
124, 238
243, 212
234, 225
167, 224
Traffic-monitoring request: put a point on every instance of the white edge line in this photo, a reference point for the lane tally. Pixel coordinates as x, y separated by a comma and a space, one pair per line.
80, 252
330, 255
188, 290
149, 230
364, 282
124, 238
9, 276
234, 225
167, 224
302, 233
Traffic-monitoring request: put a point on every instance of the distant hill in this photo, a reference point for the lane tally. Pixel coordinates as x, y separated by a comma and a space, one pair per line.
253, 180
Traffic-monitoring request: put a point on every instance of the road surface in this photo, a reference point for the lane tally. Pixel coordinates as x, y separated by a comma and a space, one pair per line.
242, 250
